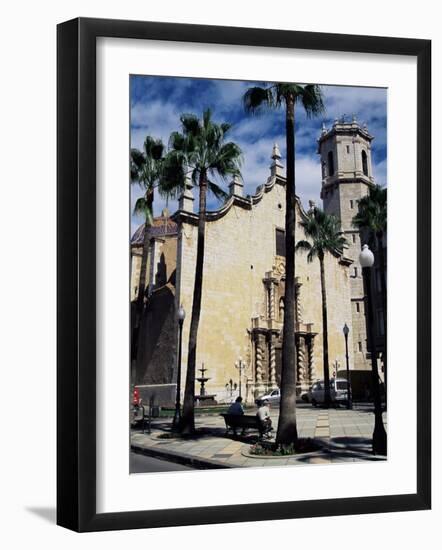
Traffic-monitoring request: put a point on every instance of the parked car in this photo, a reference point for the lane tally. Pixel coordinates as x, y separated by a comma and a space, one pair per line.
273, 397
338, 392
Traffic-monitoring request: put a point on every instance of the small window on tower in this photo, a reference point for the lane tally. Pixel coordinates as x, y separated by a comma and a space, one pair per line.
353, 237
280, 242
358, 308
331, 164
348, 149
351, 203
360, 346
355, 271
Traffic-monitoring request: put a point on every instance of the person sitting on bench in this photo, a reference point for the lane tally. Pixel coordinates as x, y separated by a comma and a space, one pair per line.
263, 415
236, 409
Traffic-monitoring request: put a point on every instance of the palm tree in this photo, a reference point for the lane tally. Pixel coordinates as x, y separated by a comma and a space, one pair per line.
325, 233
201, 152
372, 218
145, 170
255, 100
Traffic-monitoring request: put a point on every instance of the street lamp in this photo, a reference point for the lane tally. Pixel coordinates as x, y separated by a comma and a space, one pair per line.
181, 315
346, 330
366, 259
240, 366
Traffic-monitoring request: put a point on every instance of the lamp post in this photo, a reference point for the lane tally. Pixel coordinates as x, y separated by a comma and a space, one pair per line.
240, 366
366, 259
181, 315
346, 330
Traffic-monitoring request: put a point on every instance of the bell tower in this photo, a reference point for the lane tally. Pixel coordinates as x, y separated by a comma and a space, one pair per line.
347, 175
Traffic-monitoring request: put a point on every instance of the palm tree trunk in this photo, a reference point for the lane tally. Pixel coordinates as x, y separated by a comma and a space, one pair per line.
187, 425
287, 433
139, 308
327, 398
380, 236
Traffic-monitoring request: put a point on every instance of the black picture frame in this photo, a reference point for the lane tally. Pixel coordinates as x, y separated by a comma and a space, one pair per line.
76, 274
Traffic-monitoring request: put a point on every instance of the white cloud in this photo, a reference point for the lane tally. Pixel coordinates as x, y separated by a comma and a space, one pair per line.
252, 127
308, 179
257, 160
157, 119
160, 116
380, 172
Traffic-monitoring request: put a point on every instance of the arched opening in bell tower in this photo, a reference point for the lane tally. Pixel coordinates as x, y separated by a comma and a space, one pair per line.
331, 164
364, 163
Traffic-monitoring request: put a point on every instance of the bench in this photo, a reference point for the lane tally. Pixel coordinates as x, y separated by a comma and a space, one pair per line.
245, 422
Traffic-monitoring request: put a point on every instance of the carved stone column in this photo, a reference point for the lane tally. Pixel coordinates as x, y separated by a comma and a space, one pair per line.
298, 311
300, 363
269, 282
259, 360
272, 300
310, 360
272, 362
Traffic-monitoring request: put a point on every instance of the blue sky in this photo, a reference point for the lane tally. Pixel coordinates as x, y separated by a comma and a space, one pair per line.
157, 102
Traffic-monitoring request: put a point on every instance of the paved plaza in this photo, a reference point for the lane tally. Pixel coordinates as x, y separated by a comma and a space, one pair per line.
343, 436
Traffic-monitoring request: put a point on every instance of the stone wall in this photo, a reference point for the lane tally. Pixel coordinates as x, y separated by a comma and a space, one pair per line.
240, 250
161, 264
156, 361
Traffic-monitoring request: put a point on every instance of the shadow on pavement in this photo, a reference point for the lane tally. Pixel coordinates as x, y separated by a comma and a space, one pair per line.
353, 447
203, 433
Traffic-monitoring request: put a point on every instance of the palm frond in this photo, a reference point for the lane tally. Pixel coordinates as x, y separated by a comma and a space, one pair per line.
312, 254
286, 89
312, 100
142, 208
190, 124
325, 233
201, 151
217, 191
372, 211
257, 99
137, 157
177, 141
227, 160
158, 150
303, 245
173, 173
225, 127
207, 118
137, 161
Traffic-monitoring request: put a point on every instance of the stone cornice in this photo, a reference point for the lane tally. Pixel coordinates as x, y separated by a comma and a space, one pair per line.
342, 129
182, 216
347, 180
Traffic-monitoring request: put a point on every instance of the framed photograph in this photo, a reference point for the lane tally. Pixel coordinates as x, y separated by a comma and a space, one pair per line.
243, 317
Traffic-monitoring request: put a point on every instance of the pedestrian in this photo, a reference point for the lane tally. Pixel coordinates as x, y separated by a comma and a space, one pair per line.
236, 407
263, 414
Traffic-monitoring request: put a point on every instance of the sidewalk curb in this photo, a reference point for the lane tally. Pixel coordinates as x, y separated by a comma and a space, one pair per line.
181, 458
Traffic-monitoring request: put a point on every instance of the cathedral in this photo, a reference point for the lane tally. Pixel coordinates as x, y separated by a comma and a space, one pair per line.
239, 337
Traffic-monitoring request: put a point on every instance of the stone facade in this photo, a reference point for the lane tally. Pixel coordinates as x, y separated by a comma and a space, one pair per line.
244, 276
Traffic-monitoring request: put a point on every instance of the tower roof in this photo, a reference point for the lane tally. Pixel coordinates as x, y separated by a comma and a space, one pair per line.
342, 126
161, 226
